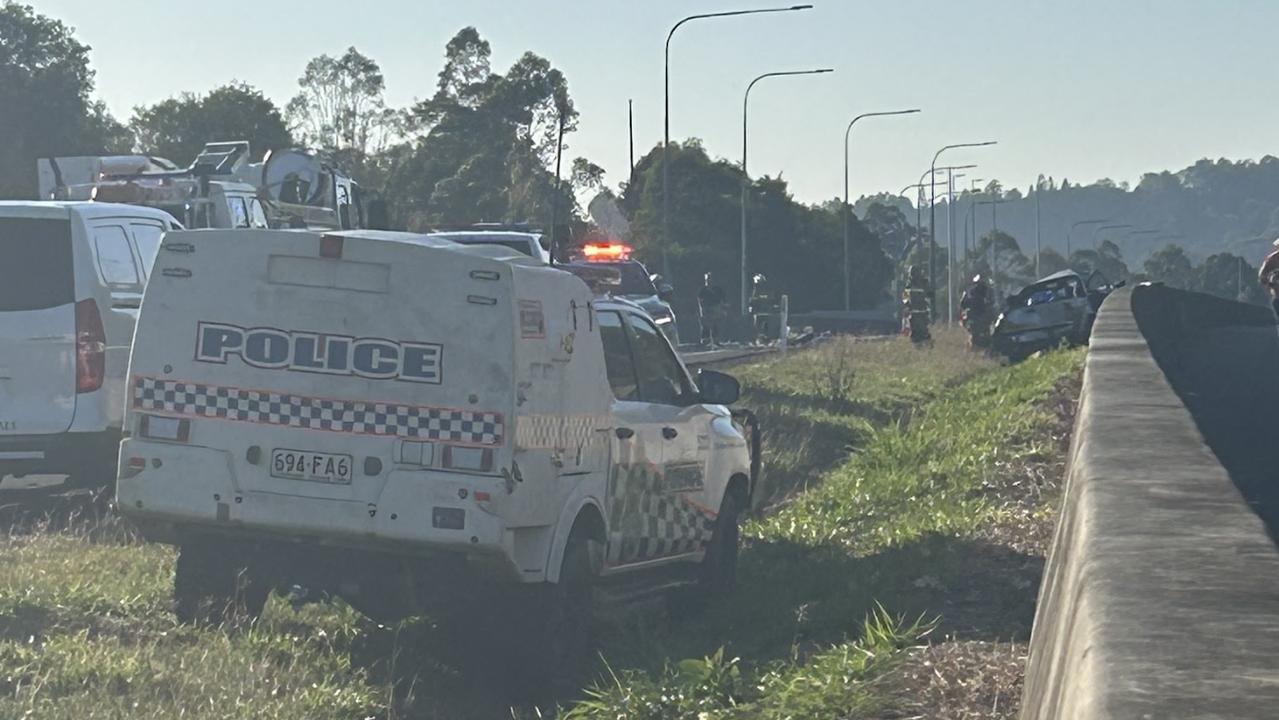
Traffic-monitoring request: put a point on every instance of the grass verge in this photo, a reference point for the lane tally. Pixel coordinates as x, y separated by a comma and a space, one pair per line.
909, 522
887, 467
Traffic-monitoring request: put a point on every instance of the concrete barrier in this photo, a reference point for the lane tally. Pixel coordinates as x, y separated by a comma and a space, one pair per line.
1160, 597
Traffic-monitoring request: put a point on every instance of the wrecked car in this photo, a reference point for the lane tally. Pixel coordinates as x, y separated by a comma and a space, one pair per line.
1056, 309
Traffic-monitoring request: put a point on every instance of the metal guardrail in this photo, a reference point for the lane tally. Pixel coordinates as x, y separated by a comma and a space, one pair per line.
707, 358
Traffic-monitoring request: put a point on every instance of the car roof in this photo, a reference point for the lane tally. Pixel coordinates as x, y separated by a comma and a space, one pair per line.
484, 233
1058, 276
492, 252
612, 302
627, 261
85, 208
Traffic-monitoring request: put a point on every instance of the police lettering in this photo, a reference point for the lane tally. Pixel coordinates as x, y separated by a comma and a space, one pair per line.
300, 351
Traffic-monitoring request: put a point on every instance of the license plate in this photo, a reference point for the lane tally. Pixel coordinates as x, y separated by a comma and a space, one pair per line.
311, 466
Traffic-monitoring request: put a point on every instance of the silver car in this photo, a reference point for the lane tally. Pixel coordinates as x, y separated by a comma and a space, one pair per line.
1056, 309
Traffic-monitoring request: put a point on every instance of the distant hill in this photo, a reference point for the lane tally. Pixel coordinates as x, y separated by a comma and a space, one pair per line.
1209, 207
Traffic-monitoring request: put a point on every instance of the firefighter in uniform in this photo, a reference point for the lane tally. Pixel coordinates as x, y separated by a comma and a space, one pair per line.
916, 301
1268, 274
763, 308
977, 305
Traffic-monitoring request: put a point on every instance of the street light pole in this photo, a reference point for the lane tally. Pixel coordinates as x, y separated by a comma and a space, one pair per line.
1071, 231
1038, 248
1148, 232
950, 247
972, 201
932, 218
745, 177
848, 272
951, 262
1106, 227
666, 115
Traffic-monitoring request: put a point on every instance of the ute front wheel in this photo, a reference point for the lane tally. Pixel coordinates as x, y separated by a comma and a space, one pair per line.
719, 567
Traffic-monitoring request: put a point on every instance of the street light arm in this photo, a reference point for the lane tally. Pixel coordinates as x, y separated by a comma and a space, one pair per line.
730, 13
747, 97
873, 114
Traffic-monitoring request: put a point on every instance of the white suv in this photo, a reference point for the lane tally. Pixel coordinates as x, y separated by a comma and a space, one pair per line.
525, 243
71, 278
415, 425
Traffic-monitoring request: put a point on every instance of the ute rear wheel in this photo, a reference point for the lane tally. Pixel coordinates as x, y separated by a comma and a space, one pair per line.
210, 587
556, 637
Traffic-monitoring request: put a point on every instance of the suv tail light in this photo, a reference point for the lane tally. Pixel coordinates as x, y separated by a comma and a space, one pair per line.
90, 347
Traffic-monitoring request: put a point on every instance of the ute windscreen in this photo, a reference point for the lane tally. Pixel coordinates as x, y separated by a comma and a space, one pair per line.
35, 264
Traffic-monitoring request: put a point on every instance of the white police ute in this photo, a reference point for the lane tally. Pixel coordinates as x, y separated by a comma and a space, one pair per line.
416, 425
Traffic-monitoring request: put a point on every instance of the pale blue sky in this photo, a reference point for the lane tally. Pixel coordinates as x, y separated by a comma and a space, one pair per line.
1081, 89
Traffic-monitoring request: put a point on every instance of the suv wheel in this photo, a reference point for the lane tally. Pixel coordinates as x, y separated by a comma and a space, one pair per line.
209, 587
719, 567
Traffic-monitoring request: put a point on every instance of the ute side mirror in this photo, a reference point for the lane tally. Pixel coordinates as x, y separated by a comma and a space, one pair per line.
665, 292
717, 388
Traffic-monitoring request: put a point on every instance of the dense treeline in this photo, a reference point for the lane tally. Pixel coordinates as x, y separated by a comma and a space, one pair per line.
1208, 208
482, 146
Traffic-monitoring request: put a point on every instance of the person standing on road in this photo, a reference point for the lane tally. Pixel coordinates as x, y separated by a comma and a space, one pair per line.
710, 303
763, 307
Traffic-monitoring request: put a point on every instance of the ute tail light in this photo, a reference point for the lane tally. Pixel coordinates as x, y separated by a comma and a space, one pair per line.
90, 347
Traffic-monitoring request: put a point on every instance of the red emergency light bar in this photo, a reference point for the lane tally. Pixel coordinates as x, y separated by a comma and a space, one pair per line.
603, 252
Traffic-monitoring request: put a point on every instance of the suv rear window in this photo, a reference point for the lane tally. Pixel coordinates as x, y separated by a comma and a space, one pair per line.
35, 264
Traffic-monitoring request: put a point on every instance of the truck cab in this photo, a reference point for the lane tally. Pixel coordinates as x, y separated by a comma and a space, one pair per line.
220, 189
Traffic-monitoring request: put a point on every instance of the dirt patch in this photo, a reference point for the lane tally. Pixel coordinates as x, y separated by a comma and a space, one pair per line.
960, 680
966, 675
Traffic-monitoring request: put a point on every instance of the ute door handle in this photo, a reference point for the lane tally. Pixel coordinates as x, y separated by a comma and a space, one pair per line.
669, 433
624, 433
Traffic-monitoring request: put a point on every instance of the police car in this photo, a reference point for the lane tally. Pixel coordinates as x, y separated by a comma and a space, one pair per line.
636, 284
415, 425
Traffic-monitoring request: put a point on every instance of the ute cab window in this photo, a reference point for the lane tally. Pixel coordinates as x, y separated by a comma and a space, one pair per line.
662, 379
617, 357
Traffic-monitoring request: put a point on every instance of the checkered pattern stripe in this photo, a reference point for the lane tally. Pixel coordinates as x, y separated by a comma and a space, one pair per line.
177, 397
670, 527
550, 432
535, 432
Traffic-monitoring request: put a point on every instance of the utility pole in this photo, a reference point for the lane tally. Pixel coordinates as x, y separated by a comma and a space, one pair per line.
630, 121
555, 199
